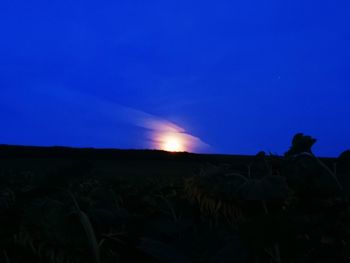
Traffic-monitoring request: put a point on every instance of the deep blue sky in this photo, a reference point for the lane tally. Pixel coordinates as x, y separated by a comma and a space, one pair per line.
242, 76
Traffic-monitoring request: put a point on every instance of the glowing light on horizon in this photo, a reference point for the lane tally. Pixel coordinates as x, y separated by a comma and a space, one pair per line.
173, 144
170, 137
172, 141
159, 133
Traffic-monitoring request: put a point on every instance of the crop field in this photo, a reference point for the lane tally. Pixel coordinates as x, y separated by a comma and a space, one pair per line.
100, 206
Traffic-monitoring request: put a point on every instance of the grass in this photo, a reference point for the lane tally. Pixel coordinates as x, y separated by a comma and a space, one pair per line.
150, 207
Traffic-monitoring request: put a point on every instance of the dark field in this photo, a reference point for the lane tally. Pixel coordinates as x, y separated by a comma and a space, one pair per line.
87, 205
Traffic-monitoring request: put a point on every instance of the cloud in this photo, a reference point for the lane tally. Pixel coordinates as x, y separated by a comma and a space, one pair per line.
75, 107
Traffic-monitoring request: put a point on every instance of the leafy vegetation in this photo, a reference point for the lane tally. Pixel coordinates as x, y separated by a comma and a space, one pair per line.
160, 207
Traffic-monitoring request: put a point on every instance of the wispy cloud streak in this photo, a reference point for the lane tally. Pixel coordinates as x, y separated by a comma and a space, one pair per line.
71, 105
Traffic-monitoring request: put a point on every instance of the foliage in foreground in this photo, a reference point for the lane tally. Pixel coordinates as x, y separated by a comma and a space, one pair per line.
289, 209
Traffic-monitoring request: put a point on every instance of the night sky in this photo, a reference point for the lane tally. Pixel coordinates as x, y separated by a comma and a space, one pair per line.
227, 76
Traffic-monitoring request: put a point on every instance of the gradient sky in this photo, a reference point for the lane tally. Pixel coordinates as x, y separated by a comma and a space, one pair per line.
240, 76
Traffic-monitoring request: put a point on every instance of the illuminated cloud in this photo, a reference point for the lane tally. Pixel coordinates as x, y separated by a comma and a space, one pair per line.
70, 106
177, 141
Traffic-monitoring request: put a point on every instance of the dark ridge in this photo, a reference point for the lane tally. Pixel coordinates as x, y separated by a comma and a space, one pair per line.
16, 151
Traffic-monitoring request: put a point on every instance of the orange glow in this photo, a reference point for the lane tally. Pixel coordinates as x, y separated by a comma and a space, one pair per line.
172, 144
172, 138
171, 141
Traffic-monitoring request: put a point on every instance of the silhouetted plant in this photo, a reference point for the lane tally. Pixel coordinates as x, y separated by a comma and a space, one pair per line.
301, 143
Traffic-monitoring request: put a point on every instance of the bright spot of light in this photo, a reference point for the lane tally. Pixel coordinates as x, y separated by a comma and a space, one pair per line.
172, 141
173, 138
173, 144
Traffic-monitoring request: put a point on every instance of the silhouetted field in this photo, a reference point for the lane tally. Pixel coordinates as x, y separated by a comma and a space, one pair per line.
86, 205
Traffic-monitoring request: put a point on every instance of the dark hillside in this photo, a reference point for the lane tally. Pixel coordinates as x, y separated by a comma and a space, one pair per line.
60, 204
20, 153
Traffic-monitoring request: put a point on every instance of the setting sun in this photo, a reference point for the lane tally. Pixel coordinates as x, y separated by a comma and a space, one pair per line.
173, 144
174, 140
